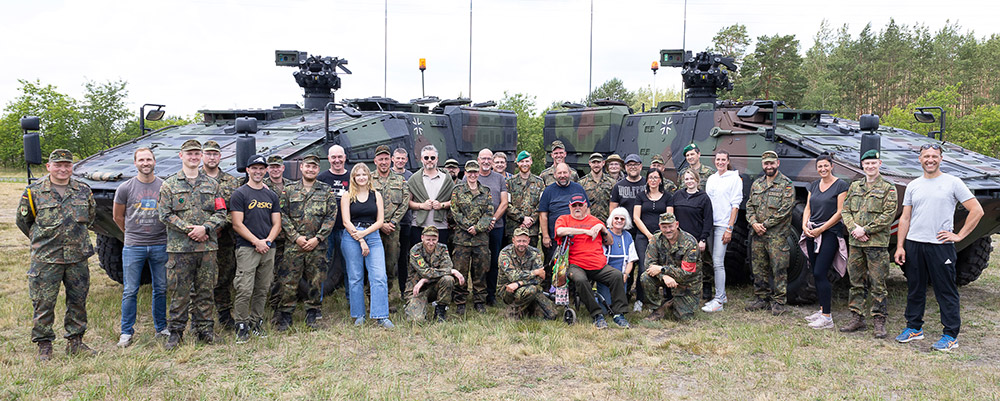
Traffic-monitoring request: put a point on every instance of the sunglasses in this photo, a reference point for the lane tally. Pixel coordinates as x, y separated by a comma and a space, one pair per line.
930, 146
618, 218
430, 157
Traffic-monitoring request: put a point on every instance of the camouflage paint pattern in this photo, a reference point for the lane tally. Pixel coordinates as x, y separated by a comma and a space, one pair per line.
599, 194
298, 265
872, 207
43, 289
56, 225
868, 267
524, 197
191, 276
517, 268
771, 204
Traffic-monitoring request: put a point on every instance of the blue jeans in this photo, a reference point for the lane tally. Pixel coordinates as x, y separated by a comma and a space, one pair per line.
134, 258
356, 265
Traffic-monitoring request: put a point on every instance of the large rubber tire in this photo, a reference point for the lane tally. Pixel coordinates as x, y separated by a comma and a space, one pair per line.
973, 260
109, 252
738, 269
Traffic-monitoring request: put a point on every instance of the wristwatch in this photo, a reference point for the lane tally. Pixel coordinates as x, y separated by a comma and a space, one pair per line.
269, 244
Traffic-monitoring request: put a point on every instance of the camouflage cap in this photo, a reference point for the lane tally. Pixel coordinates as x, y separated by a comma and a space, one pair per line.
275, 160
191, 144
557, 144
523, 155
769, 155
60, 155
451, 163
211, 145
615, 158
472, 166
667, 218
382, 149
430, 231
870, 154
596, 156
311, 159
522, 231
690, 148
657, 159
256, 159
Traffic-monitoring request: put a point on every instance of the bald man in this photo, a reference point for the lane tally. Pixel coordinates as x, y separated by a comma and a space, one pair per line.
339, 178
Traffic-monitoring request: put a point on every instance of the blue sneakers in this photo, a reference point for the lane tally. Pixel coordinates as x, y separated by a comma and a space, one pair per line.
619, 319
910, 335
946, 343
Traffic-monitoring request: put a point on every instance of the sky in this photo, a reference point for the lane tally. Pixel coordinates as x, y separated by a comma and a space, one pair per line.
215, 54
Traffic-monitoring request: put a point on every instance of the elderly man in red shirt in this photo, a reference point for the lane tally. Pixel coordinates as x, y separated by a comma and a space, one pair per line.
587, 236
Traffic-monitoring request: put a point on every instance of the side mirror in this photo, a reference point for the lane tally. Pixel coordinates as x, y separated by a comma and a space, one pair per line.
924, 117
155, 115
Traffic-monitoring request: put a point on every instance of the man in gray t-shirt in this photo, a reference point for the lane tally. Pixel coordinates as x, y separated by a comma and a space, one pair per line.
134, 212
497, 184
925, 245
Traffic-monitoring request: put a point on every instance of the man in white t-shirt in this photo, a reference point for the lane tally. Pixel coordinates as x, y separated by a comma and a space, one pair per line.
925, 245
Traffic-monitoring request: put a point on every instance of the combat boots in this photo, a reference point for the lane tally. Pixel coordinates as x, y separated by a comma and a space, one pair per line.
77, 347
757, 304
226, 320
440, 313
879, 326
777, 309
174, 340
660, 312
283, 320
857, 323
311, 316
44, 350
208, 337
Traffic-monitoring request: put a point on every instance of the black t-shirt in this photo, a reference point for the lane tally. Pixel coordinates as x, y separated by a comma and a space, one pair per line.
257, 205
625, 192
822, 205
365, 212
651, 210
340, 184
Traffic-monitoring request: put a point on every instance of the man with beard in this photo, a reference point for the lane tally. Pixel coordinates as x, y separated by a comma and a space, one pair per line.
497, 185
558, 154
656, 162
925, 245
521, 275
672, 263
553, 204
598, 186
339, 179
308, 208
769, 212
525, 190
625, 191
453, 169
430, 196
431, 278
211, 156
395, 201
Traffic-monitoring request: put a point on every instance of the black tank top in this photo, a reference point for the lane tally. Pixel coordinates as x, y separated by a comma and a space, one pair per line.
365, 212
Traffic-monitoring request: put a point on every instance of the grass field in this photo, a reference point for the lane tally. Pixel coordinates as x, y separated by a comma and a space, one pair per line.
729, 355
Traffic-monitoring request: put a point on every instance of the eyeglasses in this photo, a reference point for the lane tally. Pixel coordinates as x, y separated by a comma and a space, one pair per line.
618, 218
430, 157
577, 204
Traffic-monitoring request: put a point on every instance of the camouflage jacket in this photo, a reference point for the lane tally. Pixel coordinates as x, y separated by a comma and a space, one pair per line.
182, 204
57, 225
704, 172
273, 186
227, 184
873, 207
548, 176
524, 197
395, 196
771, 205
307, 213
514, 268
471, 208
679, 261
599, 194
431, 266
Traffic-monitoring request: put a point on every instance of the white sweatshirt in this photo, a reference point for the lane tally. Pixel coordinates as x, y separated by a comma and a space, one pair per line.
726, 192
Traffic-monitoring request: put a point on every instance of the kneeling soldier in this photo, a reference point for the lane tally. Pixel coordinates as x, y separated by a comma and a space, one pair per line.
431, 277
521, 274
672, 262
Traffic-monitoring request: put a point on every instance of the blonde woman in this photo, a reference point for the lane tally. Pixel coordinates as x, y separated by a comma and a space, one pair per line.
363, 216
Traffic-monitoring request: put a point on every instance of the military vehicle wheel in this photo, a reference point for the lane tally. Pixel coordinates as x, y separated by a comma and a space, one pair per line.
109, 252
801, 284
972, 260
738, 269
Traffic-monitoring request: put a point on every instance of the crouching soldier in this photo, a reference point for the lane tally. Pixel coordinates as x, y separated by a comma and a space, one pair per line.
672, 262
431, 277
521, 274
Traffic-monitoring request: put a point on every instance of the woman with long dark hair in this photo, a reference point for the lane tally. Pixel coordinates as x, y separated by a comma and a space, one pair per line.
646, 217
823, 234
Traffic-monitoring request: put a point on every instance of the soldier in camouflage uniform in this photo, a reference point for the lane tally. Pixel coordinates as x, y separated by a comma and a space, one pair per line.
453, 169
598, 186
525, 190
558, 154
472, 208
192, 207
226, 254
769, 212
868, 212
614, 164
693, 157
431, 278
275, 181
395, 201
521, 275
55, 213
657, 163
672, 262
308, 208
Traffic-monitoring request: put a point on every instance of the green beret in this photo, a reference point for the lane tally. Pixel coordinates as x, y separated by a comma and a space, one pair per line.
382, 149
60, 155
523, 155
768, 156
191, 144
211, 145
870, 154
471, 166
690, 148
275, 160
667, 218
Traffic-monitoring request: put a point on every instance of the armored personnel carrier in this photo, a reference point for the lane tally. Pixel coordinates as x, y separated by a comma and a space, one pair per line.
747, 129
456, 127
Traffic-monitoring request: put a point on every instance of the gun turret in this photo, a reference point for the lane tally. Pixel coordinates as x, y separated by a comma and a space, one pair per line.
317, 75
702, 75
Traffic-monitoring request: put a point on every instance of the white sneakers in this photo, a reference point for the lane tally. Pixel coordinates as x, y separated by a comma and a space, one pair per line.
637, 307
125, 340
814, 316
820, 322
713, 306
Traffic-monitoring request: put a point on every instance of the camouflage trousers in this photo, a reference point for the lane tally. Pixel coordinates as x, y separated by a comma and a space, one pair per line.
191, 277
528, 297
223, 292
685, 300
439, 290
274, 295
299, 264
43, 289
868, 268
474, 260
769, 256
391, 244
